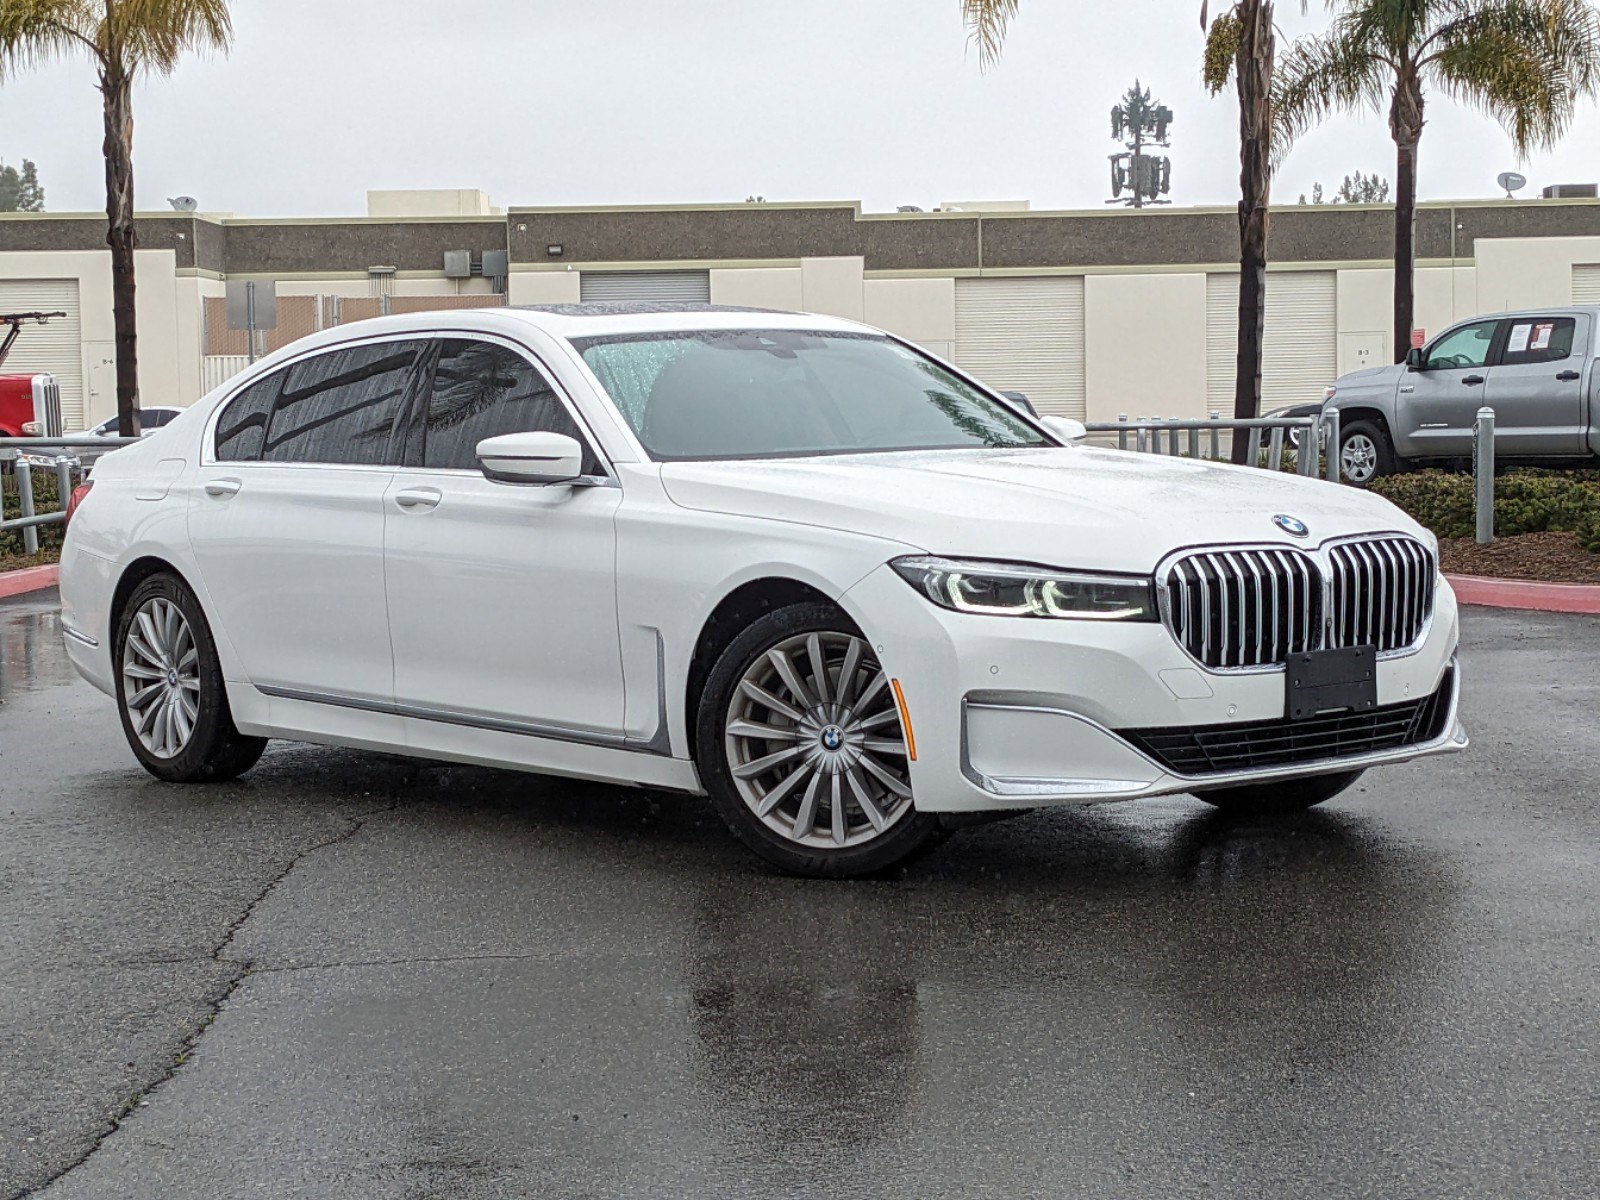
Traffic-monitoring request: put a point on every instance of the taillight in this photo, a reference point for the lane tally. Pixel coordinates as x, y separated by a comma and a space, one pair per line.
78, 493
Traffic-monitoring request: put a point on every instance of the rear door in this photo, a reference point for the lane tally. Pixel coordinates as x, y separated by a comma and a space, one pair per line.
1439, 402
1536, 387
287, 526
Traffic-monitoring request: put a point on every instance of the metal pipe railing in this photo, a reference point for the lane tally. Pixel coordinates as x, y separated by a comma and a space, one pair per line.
24, 455
1316, 433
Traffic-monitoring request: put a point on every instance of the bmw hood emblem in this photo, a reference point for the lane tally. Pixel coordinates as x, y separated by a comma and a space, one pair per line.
1293, 526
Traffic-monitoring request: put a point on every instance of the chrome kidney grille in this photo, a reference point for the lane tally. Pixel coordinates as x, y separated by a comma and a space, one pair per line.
1250, 608
1382, 593
1244, 608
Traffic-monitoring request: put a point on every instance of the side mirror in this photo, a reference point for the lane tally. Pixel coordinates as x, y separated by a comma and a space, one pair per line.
1414, 358
531, 458
1065, 428
1020, 399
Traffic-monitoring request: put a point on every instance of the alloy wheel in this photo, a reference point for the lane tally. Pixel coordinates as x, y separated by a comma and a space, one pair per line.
1358, 458
814, 742
161, 677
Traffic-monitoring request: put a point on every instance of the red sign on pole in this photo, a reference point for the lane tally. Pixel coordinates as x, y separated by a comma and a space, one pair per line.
1418, 337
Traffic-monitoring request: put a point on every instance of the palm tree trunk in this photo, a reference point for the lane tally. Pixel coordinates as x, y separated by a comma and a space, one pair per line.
117, 92
1405, 126
1253, 67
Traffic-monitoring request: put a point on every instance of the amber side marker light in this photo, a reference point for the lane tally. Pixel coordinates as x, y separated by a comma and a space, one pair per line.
905, 720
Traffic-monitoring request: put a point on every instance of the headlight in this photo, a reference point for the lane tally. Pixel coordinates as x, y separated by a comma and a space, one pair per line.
1018, 590
32, 428
1329, 392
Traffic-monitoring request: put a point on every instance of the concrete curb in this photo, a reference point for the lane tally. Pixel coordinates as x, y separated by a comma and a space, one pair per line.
1524, 593
29, 579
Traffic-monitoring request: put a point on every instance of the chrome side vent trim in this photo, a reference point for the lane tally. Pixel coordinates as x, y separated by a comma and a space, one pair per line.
1246, 608
1382, 593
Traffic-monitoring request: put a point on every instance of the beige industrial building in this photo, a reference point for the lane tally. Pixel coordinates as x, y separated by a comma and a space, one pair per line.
1090, 313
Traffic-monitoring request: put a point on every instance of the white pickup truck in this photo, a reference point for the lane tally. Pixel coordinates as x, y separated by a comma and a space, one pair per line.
1536, 369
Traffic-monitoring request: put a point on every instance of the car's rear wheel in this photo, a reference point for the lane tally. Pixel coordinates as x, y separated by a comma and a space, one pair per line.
170, 693
1275, 799
802, 750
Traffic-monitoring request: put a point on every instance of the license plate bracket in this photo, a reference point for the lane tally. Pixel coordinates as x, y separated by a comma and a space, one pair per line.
1331, 681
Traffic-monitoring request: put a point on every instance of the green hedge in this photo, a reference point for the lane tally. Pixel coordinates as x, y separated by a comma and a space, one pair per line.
1525, 501
44, 501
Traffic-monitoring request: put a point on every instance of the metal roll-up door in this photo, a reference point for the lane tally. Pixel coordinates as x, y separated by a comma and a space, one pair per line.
1025, 335
636, 287
1300, 355
55, 347
1586, 283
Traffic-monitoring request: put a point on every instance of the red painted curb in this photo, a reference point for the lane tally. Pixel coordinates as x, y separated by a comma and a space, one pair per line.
1525, 593
29, 579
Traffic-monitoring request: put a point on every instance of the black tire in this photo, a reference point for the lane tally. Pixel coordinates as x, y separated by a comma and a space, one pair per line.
910, 833
215, 749
1372, 436
1276, 799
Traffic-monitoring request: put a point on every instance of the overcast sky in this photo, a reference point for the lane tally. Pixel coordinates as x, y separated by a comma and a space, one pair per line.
639, 101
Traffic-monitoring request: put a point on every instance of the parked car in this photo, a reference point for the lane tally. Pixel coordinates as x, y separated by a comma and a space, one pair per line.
785, 560
1535, 368
150, 420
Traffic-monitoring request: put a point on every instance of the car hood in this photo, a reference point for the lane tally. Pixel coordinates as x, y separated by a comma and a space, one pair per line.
1370, 375
1071, 506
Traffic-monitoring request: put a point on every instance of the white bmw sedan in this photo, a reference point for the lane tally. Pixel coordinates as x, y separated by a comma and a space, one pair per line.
787, 561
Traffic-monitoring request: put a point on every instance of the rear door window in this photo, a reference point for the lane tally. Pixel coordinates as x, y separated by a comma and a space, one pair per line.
481, 390
1538, 340
341, 407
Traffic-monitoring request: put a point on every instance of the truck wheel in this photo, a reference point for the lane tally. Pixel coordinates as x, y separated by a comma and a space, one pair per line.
1365, 453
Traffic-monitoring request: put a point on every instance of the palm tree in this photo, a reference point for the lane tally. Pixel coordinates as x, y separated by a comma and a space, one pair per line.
1240, 45
1524, 62
123, 38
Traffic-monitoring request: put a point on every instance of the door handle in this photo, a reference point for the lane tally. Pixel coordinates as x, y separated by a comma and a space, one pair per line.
1473, 380
222, 487
1567, 376
418, 497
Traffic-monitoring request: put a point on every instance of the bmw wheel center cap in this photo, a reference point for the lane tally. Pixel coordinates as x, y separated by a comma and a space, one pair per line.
832, 737
1293, 526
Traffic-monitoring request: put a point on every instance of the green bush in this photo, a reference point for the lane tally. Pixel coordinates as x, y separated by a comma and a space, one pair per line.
1525, 501
44, 501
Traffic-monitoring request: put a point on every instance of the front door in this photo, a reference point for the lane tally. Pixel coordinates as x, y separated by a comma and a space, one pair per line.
1438, 402
1536, 387
502, 598
287, 523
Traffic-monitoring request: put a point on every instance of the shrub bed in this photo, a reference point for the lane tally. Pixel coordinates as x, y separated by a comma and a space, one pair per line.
1525, 501
44, 501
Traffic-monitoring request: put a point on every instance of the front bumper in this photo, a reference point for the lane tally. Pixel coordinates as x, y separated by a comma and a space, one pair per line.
1017, 713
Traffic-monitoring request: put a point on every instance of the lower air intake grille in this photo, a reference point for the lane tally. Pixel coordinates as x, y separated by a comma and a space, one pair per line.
1247, 745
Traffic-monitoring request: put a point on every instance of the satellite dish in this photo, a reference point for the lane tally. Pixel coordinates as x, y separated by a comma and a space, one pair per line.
183, 203
1511, 181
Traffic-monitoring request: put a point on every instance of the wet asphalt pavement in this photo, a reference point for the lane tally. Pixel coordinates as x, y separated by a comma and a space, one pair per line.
351, 975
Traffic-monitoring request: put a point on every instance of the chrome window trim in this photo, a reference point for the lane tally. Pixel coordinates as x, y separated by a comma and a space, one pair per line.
1317, 560
1004, 786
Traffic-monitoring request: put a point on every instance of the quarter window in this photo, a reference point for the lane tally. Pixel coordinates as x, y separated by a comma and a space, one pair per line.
481, 390
341, 407
1464, 347
1538, 340
243, 425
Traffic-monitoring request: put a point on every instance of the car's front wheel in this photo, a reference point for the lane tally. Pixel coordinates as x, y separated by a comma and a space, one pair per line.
802, 750
1276, 799
170, 692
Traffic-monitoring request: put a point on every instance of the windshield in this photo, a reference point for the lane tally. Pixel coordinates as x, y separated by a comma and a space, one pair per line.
773, 393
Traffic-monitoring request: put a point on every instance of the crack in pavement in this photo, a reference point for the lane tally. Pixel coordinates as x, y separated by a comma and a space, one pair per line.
243, 969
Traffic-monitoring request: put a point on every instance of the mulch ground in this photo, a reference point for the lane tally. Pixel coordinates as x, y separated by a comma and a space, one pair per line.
1546, 557
21, 562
